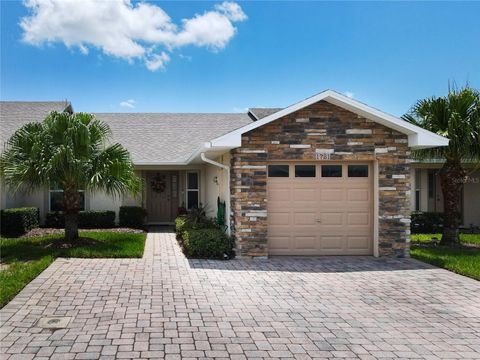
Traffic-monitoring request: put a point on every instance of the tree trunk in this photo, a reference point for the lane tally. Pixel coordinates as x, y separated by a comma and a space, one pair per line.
71, 207
452, 176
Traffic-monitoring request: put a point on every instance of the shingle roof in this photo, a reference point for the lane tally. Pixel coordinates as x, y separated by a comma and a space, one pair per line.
168, 137
15, 114
260, 113
150, 137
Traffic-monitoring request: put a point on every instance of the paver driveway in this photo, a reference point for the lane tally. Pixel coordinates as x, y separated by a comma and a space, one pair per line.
166, 306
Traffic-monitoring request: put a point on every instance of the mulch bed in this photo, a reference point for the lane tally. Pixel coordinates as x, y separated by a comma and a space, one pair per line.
81, 241
53, 231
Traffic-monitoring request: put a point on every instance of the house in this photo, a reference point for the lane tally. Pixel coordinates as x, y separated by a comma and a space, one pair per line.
427, 191
326, 176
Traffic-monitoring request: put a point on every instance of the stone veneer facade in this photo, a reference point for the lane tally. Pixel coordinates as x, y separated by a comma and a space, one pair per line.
343, 134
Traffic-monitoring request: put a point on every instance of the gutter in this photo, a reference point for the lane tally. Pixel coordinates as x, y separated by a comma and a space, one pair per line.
227, 200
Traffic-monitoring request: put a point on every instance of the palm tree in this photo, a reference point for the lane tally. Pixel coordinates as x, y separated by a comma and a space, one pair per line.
456, 116
72, 152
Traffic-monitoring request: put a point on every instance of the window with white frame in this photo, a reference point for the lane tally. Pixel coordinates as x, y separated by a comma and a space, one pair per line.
193, 190
56, 199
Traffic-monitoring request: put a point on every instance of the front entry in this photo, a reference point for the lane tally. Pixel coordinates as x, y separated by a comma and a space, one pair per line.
162, 196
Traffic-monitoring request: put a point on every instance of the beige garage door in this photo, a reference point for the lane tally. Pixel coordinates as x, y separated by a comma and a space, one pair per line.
320, 209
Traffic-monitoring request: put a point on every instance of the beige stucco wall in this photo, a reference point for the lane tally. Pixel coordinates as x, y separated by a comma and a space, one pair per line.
213, 189
471, 202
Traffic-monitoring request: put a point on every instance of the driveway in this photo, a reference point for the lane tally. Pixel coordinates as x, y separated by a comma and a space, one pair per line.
167, 306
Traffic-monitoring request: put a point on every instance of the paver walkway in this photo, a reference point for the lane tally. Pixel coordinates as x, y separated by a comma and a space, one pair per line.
165, 306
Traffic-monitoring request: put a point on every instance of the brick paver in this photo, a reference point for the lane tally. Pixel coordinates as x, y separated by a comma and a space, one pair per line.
166, 306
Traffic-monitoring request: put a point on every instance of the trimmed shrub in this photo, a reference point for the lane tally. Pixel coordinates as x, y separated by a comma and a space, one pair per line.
90, 219
18, 221
426, 222
207, 244
55, 219
132, 217
180, 225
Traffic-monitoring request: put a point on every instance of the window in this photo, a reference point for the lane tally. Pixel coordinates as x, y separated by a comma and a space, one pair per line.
278, 171
56, 200
192, 190
304, 170
418, 188
331, 170
357, 170
431, 184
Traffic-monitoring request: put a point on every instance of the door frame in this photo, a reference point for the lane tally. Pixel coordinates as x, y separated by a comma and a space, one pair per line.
173, 208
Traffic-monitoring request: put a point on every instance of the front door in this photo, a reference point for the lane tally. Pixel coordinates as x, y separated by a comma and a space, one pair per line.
162, 196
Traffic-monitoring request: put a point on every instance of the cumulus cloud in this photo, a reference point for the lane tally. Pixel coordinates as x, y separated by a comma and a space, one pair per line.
128, 104
125, 30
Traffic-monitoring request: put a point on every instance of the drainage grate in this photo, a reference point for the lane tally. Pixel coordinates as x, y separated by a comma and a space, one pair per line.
53, 322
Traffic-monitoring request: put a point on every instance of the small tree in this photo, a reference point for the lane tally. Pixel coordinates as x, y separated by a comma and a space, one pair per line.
456, 116
70, 151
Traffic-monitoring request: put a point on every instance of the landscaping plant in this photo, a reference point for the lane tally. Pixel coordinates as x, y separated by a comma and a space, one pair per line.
72, 152
456, 116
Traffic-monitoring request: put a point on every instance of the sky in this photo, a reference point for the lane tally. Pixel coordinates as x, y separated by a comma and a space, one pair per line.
122, 56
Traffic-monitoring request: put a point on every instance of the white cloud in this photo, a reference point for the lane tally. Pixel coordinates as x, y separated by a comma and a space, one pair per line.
125, 30
157, 61
128, 104
349, 94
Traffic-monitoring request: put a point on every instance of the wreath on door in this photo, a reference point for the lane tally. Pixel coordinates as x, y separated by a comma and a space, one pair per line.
158, 184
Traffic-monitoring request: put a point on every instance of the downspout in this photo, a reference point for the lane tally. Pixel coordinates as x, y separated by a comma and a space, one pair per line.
227, 200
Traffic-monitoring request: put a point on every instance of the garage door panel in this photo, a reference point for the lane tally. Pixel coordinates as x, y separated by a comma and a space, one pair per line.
358, 242
358, 218
279, 193
320, 216
305, 243
279, 218
331, 242
303, 218
279, 243
358, 195
332, 218
331, 194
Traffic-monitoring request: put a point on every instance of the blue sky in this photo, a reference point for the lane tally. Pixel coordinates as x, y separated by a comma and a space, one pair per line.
386, 54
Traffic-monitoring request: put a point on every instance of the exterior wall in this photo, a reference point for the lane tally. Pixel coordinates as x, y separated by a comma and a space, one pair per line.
321, 127
471, 203
218, 188
101, 201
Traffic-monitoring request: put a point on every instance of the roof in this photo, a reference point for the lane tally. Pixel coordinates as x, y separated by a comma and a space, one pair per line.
15, 114
418, 138
260, 113
163, 138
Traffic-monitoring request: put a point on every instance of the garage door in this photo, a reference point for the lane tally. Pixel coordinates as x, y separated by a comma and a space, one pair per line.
321, 209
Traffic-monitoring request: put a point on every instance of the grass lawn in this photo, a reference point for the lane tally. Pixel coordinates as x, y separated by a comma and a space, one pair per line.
464, 238
461, 261
28, 257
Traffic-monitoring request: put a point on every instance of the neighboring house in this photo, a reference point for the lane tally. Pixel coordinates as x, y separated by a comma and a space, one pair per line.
326, 176
427, 194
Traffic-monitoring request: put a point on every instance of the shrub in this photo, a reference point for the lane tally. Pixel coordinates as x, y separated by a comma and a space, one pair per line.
18, 221
207, 244
55, 219
426, 222
90, 219
180, 225
132, 216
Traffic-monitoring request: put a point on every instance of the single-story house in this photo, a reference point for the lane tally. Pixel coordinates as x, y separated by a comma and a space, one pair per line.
328, 175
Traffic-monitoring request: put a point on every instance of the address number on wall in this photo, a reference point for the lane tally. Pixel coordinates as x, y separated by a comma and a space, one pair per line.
322, 156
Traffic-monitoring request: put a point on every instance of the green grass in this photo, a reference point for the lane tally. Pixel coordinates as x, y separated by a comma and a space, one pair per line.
28, 257
461, 261
464, 238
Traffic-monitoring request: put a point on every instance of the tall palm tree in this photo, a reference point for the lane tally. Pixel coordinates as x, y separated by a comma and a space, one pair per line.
72, 152
456, 116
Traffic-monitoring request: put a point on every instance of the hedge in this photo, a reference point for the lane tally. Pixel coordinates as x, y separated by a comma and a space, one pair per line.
207, 244
132, 217
90, 219
18, 221
426, 222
